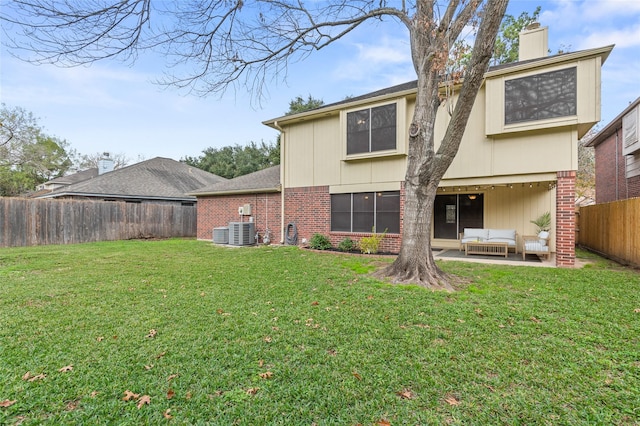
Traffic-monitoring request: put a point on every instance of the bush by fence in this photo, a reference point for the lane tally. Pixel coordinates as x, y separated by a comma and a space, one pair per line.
28, 222
612, 229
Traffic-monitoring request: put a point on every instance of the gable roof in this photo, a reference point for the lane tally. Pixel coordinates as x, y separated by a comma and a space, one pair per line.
75, 177
614, 125
266, 180
411, 87
158, 178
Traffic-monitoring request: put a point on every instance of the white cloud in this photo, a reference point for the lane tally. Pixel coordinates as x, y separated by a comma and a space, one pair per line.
388, 56
622, 38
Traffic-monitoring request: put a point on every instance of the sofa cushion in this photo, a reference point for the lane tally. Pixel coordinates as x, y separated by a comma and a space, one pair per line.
502, 234
532, 246
474, 234
510, 242
543, 235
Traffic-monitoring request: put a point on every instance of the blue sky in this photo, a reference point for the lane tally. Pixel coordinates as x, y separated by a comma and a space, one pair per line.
111, 106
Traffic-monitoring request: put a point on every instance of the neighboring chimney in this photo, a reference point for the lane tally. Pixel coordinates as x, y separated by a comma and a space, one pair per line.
534, 42
105, 163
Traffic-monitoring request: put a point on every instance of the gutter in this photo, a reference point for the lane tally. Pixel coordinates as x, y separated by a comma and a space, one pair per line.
136, 197
235, 192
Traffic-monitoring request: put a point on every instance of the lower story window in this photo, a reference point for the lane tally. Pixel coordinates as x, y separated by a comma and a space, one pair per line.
364, 211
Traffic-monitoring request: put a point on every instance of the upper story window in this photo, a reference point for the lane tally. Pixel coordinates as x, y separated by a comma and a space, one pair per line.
371, 129
541, 96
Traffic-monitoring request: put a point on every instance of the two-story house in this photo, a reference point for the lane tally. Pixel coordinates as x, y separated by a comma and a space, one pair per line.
343, 165
617, 149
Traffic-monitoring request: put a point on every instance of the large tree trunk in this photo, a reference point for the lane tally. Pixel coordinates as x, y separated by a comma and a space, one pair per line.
425, 166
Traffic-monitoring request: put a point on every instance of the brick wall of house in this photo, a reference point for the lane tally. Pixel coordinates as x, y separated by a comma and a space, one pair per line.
566, 219
633, 187
218, 211
309, 208
611, 182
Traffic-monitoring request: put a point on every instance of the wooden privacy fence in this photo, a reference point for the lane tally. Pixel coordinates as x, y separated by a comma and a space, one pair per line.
612, 229
29, 222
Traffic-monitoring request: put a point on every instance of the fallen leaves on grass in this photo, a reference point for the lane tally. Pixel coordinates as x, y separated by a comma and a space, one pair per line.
315, 303
268, 339
28, 377
171, 377
144, 400
94, 394
383, 422
252, 391
7, 403
406, 394
167, 414
160, 355
357, 375
536, 320
66, 368
129, 396
152, 333
72, 405
637, 310
451, 400
261, 363
170, 393
266, 375
148, 367
100, 338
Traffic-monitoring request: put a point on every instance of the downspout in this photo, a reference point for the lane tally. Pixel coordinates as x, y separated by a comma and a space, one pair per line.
282, 177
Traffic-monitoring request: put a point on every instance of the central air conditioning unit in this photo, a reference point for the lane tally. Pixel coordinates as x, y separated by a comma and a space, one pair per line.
221, 235
241, 233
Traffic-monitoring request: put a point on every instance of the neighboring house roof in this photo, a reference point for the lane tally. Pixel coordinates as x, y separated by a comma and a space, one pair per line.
74, 178
411, 87
614, 125
155, 179
266, 180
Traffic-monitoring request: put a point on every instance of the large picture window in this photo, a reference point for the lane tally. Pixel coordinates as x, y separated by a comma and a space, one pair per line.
371, 129
362, 212
541, 96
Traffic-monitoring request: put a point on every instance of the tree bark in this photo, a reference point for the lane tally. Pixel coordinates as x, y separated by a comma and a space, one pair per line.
425, 167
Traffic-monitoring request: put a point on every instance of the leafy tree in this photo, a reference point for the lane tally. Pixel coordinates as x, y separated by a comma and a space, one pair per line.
299, 104
508, 41
586, 176
237, 160
237, 43
28, 156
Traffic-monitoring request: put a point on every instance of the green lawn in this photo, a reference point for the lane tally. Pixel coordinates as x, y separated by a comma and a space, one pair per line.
279, 335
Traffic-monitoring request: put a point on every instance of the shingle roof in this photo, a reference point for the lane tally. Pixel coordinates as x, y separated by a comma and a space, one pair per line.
266, 180
75, 177
157, 178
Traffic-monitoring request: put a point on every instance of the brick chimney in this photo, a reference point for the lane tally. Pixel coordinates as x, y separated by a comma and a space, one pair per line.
534, 42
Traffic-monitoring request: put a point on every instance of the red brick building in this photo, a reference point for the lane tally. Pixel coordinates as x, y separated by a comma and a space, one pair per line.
618, 156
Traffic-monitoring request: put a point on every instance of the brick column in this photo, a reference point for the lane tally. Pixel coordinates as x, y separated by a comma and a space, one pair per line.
566, 219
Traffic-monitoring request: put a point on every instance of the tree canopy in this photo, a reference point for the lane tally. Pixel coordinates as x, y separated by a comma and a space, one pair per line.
28, 156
